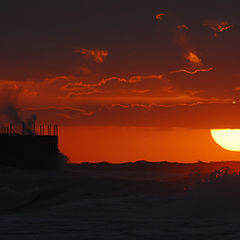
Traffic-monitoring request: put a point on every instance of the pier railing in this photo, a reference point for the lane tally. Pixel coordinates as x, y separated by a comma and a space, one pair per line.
40, 130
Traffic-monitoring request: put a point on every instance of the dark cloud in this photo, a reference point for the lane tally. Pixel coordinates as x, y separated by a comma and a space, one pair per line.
219, 115
37, 37
137, 54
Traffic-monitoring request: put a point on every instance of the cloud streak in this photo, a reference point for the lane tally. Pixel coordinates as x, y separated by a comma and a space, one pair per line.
218, 26
195, 71
191, 115
81, 85
182, 26
193, 58
160, 16
182, 39
97, 55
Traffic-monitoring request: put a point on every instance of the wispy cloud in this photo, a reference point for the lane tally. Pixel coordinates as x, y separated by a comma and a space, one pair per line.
193, 58
98, 84
13, 88
62, 108
195, 71
144, 77
97, 55
141, 91
182, 26
182, 39
218, 26
134, 79
160, 16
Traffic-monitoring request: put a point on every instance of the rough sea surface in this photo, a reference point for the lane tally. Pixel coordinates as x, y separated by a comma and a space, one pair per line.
73, 204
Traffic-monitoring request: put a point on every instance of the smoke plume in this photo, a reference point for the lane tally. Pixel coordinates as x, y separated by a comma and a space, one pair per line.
9, 109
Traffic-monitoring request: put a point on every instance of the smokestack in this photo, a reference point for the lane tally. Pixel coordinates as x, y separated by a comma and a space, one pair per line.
49, 130
55, 130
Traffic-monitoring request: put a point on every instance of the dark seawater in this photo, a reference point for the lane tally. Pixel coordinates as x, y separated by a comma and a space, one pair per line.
76, 204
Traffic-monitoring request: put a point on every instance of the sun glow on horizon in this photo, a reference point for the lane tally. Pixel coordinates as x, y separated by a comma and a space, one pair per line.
228, 139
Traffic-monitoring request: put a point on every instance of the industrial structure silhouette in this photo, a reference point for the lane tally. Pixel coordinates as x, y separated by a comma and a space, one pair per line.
28, 148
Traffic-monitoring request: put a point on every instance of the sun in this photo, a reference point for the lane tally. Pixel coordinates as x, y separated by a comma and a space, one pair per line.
228, 139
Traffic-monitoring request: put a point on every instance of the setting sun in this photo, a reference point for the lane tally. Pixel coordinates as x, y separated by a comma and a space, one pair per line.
228, 139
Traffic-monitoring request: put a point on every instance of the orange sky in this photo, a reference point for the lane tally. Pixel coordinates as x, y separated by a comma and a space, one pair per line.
123, 144
120, 77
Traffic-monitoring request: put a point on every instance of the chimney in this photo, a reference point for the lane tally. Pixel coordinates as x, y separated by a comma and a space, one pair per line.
55, 130
49, 130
